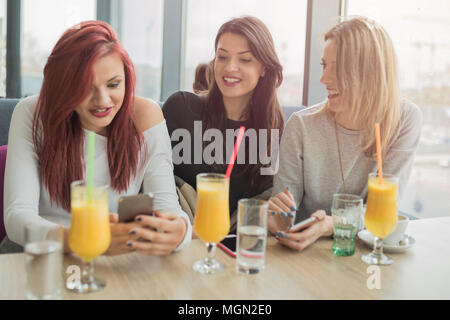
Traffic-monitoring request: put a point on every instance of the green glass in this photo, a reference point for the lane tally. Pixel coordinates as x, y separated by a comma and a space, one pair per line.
346, 210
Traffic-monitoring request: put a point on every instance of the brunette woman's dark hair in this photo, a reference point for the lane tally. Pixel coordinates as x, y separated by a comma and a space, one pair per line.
57, 132
202, 78
264, 111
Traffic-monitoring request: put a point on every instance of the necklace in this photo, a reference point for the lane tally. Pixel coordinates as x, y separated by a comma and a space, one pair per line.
340, 162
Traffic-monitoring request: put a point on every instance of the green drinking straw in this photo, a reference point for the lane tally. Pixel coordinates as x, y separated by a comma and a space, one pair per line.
90, 165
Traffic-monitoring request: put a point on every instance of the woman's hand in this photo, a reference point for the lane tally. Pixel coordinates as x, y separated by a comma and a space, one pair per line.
281, 211
157, 235
120, 235
304, 238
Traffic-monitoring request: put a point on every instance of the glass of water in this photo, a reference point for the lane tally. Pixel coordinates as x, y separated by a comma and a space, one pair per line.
252, 235
346, 210
44, 262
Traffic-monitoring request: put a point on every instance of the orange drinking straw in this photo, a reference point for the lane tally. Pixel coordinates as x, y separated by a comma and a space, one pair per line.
235, 151
380, 163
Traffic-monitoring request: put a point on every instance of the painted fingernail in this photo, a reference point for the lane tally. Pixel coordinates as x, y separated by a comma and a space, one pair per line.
291, 214
280, 234
129, 244
284, 214
139, 219
274, 213
293, 208
133, 232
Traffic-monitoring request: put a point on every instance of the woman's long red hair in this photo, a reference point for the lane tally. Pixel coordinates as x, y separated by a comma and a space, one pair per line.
57, 132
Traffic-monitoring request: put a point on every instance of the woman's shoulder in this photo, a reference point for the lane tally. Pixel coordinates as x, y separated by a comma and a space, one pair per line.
183, 103
147, 113
411, 113
308, 116
27, 104
312, 111
24, 111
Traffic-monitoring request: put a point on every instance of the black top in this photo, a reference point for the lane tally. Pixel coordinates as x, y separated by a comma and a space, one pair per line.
180, 112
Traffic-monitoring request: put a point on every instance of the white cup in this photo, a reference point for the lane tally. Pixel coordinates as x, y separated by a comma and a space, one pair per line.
395, 237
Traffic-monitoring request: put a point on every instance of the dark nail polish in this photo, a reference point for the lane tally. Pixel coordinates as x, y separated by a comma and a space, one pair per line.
139, 219
280, 234
293, 208
129, 244
132, 232
274, 213
291, 214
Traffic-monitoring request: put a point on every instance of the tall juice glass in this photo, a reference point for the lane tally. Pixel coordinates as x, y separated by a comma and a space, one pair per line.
381, 214
212, 217
90, 233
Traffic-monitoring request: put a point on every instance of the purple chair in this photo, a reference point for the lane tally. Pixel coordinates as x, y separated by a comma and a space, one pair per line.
3, 150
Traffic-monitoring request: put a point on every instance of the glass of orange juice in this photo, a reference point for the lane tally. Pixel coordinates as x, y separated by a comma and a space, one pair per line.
90, 233
212, 217
381, 214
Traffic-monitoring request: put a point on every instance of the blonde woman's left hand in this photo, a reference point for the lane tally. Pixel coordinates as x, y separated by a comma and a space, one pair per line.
159, 234
304, 238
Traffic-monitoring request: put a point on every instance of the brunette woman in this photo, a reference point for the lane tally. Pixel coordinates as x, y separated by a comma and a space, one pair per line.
246, 73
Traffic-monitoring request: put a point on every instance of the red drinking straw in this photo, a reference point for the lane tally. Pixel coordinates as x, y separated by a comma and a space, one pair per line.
380, 161
235, 151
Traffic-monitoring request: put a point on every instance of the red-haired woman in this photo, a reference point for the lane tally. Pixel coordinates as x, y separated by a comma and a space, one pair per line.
88, 85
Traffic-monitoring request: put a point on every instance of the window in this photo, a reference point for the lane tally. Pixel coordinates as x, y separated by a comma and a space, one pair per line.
285, 19
142, 23
2, 48
43, 22
420, 31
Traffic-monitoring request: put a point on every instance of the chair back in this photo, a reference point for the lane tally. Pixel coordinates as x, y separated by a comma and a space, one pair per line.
6, 110
3, 150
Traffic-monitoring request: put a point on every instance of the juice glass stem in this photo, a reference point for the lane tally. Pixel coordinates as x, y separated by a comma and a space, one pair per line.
87, 275
209, 265
88, 282
211, 247
377, 256
378, 246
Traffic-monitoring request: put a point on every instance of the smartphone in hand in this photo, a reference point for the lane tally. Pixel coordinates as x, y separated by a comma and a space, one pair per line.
303, 224
131, 206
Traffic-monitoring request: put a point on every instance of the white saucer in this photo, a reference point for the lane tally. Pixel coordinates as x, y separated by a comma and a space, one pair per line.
406, 243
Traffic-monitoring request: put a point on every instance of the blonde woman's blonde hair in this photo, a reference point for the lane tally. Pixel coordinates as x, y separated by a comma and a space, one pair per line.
366, 70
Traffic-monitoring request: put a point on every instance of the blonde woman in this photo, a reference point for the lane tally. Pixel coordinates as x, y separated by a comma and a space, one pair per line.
330, 147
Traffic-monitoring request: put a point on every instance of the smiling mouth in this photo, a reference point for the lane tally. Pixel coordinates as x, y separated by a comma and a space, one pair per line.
231, 81
332, 94
101, 112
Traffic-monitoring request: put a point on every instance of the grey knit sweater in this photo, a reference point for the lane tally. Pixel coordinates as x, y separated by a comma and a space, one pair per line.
309, 160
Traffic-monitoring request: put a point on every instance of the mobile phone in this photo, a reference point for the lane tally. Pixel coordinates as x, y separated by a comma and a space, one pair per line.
229, 245
131, 206
303, 224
